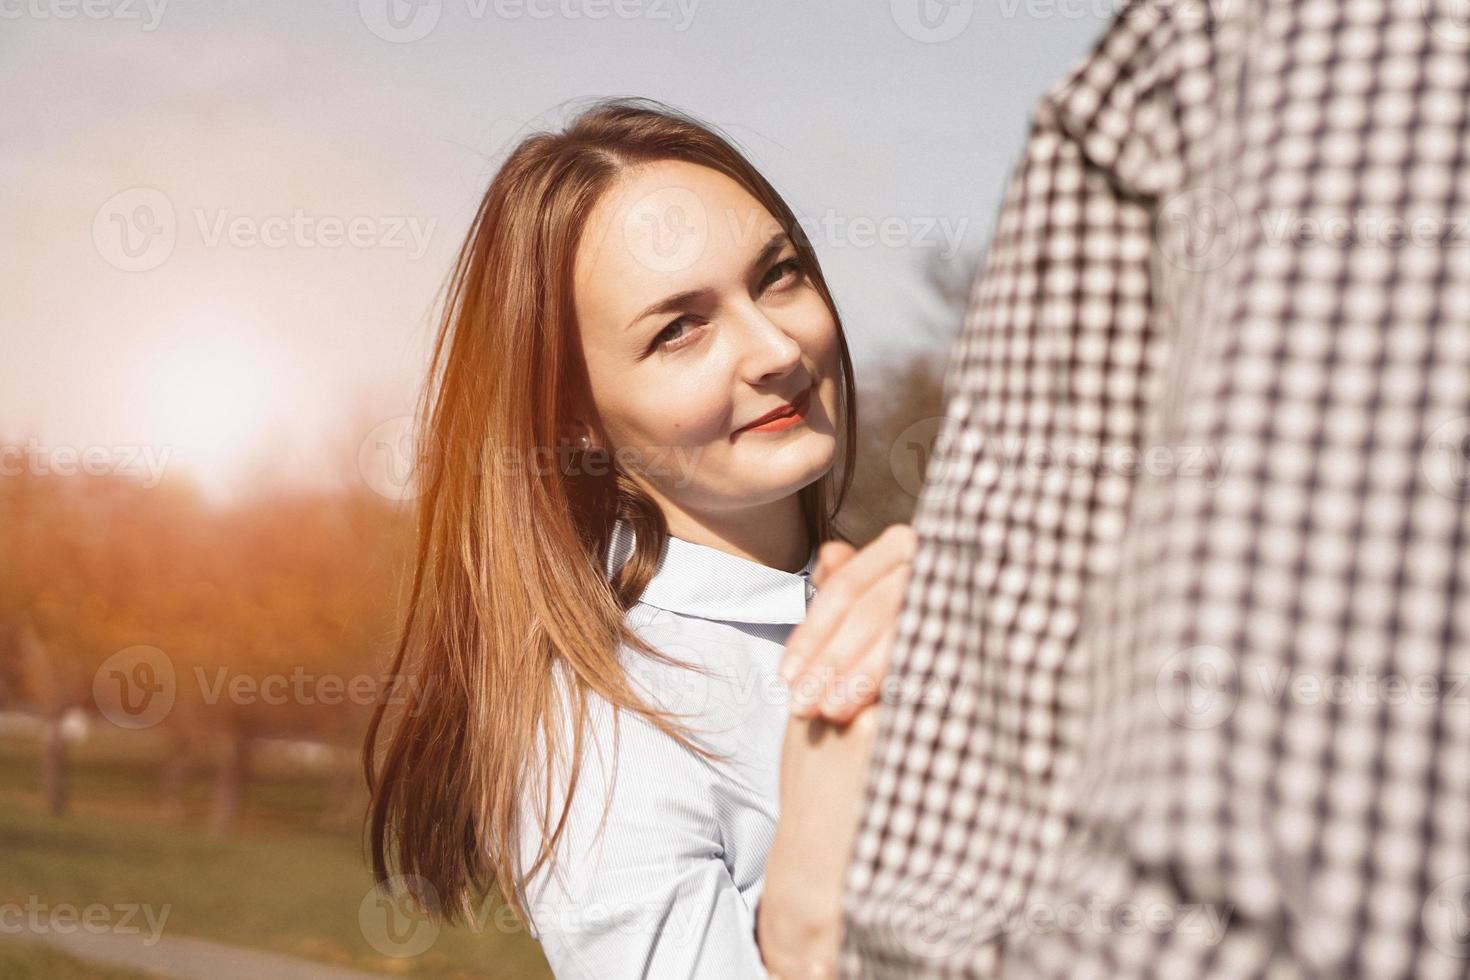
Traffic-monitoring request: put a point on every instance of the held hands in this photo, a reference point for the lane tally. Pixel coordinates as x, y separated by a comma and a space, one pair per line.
836, 658
840, 651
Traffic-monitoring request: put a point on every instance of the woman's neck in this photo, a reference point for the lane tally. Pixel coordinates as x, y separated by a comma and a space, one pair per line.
774, 534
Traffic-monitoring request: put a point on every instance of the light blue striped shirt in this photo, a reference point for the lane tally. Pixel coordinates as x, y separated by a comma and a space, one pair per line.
671, 887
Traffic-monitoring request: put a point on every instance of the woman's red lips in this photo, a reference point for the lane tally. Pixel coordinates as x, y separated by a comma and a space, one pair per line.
793, 410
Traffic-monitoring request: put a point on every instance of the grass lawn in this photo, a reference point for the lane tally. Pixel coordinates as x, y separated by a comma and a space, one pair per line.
290, 882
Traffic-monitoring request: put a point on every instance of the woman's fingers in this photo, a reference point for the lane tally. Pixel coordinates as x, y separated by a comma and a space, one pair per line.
846, 674
840, 589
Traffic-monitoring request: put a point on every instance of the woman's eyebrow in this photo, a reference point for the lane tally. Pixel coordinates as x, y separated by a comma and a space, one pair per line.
773, 245
669, 305
768, 251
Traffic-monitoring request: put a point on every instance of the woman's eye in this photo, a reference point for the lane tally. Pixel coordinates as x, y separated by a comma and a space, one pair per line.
669, 337
781, 272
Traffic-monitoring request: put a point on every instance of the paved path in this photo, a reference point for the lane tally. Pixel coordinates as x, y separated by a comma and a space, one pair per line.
187, 959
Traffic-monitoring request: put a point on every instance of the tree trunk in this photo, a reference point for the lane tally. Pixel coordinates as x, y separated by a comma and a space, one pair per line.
48, 694
229, 783
173, 785
53, 766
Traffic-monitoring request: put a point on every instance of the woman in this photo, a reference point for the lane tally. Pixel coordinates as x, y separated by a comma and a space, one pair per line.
591, 717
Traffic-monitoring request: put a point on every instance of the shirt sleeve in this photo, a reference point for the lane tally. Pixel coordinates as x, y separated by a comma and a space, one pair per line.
652, 896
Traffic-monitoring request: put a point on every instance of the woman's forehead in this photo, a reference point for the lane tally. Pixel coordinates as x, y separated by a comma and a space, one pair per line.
665, 228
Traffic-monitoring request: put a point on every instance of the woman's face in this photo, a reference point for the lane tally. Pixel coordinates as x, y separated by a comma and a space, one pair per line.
695, 321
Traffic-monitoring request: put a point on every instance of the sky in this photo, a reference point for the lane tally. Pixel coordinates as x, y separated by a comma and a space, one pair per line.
224, 226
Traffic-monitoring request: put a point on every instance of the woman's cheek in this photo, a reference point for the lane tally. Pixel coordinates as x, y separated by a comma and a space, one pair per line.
683, 414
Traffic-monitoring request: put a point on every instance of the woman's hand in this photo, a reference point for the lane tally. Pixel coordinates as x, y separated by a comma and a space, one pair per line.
823, 773
837, 657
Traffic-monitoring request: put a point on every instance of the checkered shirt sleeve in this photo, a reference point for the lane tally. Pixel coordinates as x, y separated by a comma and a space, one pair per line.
1179, 688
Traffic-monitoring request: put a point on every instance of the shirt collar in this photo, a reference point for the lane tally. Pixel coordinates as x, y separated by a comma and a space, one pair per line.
697, 580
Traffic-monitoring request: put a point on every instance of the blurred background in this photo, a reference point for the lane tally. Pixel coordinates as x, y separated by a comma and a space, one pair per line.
225, 230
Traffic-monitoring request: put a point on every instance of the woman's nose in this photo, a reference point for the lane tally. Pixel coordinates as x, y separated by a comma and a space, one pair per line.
770, 352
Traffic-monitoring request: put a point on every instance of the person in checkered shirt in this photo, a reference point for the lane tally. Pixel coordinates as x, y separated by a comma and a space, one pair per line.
1189, 622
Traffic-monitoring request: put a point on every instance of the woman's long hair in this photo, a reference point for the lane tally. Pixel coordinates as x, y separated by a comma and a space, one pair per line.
509, 588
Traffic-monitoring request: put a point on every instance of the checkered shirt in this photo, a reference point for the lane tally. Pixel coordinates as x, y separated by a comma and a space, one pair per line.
1181, 669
